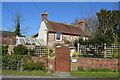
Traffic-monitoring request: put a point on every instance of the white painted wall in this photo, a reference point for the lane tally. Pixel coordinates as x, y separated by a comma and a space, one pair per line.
42, 34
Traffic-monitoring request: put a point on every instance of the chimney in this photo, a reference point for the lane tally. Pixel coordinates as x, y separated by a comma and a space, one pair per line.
44, 16
82, 23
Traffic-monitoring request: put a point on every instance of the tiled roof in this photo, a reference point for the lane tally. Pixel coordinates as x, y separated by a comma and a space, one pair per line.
65, 28
6, 33
9, 40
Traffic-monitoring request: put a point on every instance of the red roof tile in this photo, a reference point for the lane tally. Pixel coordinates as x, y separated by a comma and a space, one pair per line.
65, 28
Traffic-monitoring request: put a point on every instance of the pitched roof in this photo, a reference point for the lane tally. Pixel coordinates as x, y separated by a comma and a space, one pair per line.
6, 33
65, 28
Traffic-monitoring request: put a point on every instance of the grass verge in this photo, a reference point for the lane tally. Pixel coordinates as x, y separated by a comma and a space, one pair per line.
85, 74
33, 73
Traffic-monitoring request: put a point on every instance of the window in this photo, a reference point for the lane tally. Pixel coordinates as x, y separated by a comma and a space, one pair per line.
58, 37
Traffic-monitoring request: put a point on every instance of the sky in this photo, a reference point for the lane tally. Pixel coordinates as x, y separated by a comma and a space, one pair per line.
63, 12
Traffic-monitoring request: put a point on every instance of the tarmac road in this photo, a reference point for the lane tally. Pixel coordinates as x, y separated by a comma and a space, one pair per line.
19, 77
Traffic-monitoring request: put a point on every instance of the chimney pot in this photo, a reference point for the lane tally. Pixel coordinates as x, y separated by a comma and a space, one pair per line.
44, 16
82, 23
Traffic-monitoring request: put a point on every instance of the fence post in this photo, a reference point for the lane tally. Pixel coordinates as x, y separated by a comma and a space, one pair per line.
78, 48
104, 50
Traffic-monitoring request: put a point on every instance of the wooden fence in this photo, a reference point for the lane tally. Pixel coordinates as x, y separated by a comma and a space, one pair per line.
105, 50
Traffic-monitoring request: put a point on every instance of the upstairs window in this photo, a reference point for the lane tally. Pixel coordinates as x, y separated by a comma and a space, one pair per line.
58, 37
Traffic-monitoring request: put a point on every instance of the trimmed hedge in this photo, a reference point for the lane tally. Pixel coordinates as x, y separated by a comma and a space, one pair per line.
14, 62
33, 66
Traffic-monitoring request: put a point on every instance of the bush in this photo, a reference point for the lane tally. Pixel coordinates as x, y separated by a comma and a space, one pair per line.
14, 62
20, 50
115, 53
33, 66
4, 50
31, 52
51, 52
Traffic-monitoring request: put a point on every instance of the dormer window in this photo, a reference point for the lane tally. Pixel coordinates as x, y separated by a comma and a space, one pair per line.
58, 37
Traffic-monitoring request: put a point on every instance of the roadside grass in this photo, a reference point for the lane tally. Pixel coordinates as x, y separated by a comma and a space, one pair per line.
32, 73
89, 74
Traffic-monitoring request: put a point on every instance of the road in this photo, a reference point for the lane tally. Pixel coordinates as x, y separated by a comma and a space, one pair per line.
19, 77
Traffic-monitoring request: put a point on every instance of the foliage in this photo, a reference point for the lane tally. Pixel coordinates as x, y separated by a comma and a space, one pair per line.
14, 62
51, 52
109, 24
33, 66
67, 41
4, 50
20, 50
17, 31
27, 44
91, 24
31, 52
115, 53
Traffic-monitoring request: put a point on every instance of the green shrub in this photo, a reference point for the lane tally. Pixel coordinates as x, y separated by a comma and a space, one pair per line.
31, 52
115, 53
20, 50
4, 50
14, 62
81, 69
33, 66
51, 52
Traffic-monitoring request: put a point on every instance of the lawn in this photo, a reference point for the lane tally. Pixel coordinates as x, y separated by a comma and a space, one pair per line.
33, 73
85, 74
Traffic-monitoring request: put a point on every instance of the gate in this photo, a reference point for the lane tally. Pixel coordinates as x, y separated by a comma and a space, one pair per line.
62, 59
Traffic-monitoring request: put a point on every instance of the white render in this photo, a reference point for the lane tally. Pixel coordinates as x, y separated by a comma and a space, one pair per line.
42, 34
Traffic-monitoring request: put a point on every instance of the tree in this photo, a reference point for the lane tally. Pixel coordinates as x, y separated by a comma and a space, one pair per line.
109, 23
91, 24
17, 28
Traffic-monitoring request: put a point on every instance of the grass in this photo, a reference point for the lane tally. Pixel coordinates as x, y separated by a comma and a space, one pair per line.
88, 74
33, 73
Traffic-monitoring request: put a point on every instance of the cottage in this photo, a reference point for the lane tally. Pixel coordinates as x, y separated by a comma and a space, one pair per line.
53, 32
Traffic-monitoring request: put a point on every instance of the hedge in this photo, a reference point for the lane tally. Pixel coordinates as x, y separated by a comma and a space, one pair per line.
14, 62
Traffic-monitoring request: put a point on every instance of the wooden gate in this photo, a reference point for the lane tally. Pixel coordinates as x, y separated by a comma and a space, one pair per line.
62, 59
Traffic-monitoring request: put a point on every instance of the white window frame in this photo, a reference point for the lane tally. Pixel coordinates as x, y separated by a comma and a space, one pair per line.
60, 37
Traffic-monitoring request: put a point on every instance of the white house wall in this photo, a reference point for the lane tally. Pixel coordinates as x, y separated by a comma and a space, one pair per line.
42, 34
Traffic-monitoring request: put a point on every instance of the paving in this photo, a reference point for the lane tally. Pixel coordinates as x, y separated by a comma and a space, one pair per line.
27, 76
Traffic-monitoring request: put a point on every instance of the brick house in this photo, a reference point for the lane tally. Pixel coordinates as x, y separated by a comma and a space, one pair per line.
57, 33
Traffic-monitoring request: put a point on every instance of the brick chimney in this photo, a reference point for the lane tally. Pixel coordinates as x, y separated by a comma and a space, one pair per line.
82, 23
44, 16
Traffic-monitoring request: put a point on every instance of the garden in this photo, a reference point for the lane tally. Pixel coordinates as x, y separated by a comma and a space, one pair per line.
21, 63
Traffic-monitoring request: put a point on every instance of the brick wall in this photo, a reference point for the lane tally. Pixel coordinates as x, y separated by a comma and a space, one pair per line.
51, 61
96, 63
41, 59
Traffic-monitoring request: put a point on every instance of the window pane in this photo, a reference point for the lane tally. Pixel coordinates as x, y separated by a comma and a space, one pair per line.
58, 36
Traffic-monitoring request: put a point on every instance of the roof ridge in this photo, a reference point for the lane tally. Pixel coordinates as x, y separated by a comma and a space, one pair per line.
64, 24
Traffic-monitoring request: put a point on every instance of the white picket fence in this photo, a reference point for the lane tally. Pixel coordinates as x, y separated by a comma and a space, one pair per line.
107, 50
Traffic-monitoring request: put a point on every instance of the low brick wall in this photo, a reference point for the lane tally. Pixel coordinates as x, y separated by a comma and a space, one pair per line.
41, 59
49, 65
95, 63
